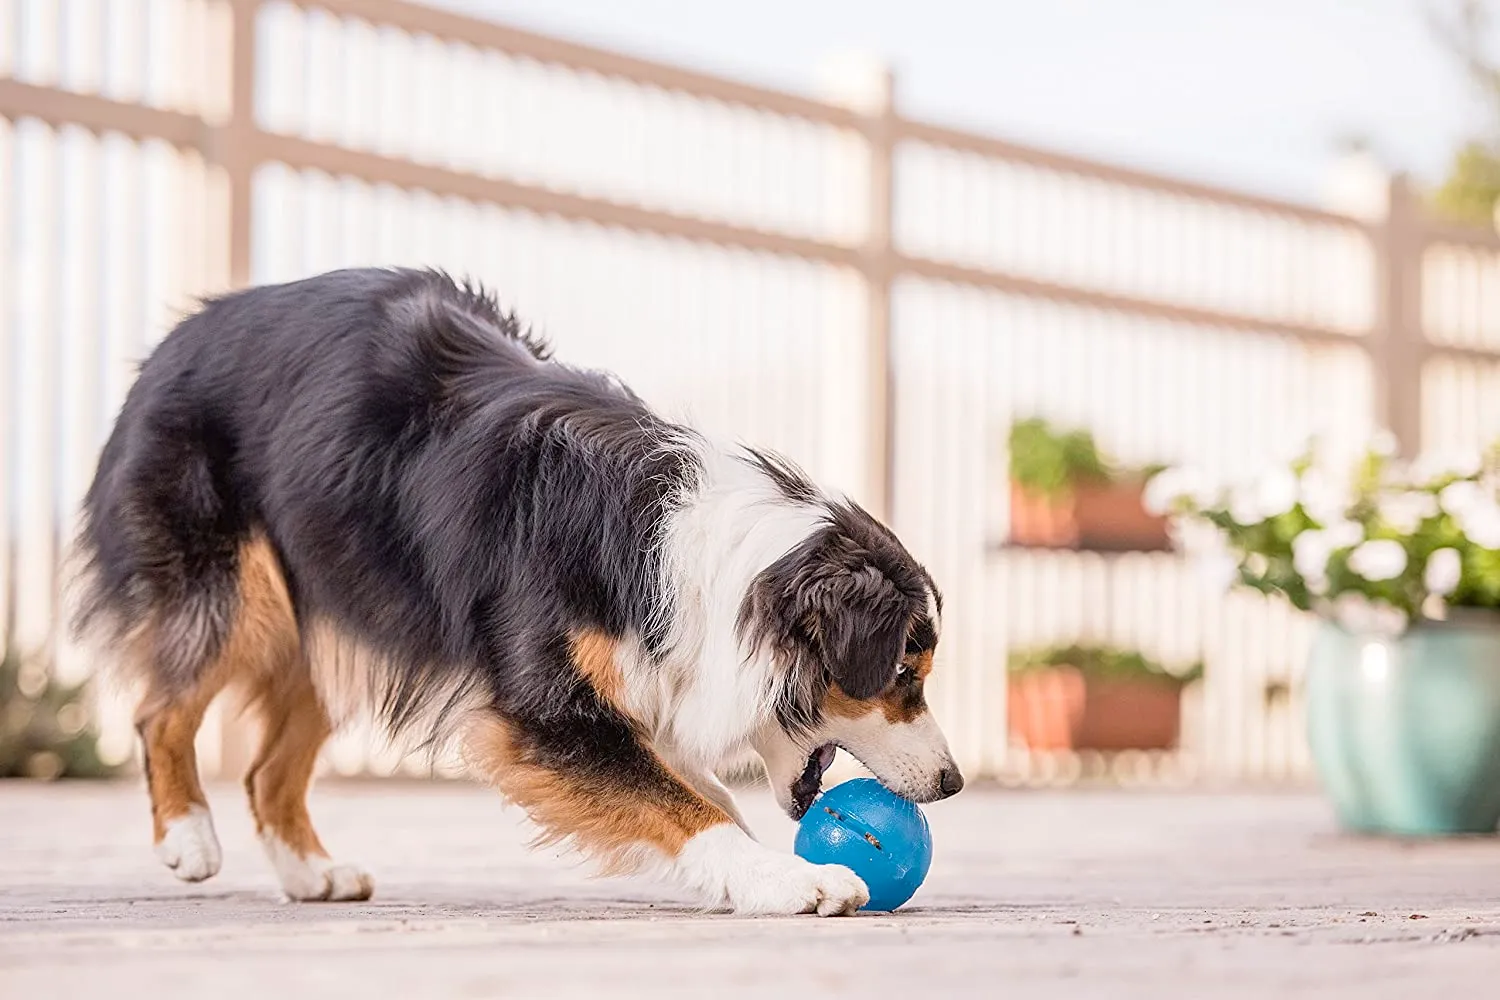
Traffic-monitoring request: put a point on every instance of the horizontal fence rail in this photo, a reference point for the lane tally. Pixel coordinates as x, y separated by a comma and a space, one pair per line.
877, 296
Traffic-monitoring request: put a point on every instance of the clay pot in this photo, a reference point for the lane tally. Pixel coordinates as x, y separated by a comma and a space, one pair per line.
1108, 517
1059, 708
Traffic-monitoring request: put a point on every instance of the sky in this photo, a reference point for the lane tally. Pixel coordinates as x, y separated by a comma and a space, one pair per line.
1254, 94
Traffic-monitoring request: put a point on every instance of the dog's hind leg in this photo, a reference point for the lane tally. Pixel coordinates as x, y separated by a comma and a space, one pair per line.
295, 727
182, 827
259, 644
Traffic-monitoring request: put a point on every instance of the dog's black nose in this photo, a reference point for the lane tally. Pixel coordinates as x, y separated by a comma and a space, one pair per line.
950, 781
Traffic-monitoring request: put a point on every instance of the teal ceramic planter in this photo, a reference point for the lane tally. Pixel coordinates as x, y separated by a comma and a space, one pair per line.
1405, 732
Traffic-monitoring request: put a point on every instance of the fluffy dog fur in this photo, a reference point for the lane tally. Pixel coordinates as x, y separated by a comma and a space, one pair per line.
372, 490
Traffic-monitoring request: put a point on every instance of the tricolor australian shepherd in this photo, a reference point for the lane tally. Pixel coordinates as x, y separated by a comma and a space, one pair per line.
372, 490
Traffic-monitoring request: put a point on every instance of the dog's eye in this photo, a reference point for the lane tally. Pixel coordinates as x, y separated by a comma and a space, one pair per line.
913, 646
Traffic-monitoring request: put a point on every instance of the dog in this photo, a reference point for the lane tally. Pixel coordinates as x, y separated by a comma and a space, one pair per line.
374, 491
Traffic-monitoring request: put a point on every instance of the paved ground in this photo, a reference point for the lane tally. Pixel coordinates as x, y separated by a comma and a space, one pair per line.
1032, 894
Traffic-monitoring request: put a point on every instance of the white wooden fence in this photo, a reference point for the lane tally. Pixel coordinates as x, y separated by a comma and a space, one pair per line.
876, 296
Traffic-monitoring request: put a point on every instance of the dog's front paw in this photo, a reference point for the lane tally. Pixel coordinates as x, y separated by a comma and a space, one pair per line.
726, 865
796, 886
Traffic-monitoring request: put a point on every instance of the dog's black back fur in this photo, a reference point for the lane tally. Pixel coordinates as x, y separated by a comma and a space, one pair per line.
428, 480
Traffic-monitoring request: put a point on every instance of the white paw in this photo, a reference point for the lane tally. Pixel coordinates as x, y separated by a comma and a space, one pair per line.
792, 885
189, 846
349, 883
315, 878
753, 879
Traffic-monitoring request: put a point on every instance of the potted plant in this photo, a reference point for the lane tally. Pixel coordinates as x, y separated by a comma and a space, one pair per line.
1065, 494
45, 726
1094, 698
1402, 565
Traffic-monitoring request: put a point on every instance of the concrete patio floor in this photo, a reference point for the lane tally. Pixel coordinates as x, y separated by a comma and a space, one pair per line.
1081, 894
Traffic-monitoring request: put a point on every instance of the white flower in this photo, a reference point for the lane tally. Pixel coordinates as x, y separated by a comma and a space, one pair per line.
1310, 554
1262, 497
1461, 465
1276, 493
1406, 511
1387, 620
1444, 567
1480, 521
1311, 550
1214, 564
1244, 505
1357, 614
1162, 492
1455, 498
1166, 490
1204, 491
1384, 444
1446, 465
1321, 497
1381, 559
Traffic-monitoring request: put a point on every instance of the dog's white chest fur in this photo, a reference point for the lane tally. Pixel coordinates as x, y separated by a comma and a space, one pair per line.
710, 693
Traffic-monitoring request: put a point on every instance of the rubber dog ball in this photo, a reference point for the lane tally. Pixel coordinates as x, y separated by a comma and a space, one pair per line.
871, 830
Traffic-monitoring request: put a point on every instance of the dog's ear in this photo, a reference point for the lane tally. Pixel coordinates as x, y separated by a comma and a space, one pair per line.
859, 620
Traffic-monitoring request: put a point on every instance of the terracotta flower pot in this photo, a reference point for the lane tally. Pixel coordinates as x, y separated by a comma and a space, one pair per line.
1040, 520
1060, 709
1099, 517
1112, 517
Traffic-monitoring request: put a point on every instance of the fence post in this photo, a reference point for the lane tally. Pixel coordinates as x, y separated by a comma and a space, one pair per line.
232, 142
866, 86
879, 274
1398, 346
231, 149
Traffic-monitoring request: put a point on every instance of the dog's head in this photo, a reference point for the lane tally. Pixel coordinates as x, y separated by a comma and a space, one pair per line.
853, 621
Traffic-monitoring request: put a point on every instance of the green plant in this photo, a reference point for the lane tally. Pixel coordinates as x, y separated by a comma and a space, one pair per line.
1464, 29
1101, 662
1472, 186
1048, 462
1376, 548
45, 728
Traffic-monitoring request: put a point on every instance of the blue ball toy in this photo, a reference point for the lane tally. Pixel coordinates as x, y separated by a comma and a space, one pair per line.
871, 830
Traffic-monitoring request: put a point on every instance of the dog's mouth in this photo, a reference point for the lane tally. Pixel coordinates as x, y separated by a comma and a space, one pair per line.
807, 786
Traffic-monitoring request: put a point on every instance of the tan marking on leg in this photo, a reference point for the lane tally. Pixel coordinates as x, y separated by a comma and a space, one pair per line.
167, 735
605, 817
266, 650
262, 635
294, 728
594, 658
265, 633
